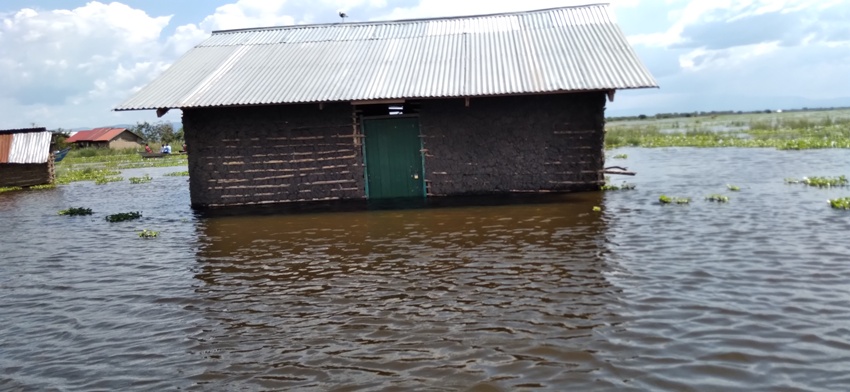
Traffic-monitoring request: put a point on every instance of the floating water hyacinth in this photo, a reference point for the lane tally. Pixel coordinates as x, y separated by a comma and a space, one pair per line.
718, 198
664, 199
123, 216
140, 180
76, 211
841, 203
148, 234
733, 188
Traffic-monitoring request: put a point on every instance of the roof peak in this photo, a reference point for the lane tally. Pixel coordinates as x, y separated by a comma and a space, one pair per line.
401, 21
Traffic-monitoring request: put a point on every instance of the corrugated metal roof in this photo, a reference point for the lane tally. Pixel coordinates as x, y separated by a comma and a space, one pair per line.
555, 50
96, 135
28, 147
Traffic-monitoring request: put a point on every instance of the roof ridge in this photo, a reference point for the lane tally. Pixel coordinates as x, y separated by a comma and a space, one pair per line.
404, 21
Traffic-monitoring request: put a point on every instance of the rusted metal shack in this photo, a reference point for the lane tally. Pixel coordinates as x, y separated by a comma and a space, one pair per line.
417, 108
25, 158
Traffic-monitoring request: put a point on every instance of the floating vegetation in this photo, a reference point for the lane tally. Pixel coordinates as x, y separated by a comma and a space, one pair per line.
735, 131
841, 203
820, 182
621, 156
664, 199
148, 234
178, 174
718, 198
140, 180
76, 211
623, 187
106, 180
733, 188
10, 189
597, 209
86, 174
123, 216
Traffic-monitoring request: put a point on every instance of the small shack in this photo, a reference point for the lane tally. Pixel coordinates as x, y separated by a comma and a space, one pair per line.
25, 158
475, 105
114, 138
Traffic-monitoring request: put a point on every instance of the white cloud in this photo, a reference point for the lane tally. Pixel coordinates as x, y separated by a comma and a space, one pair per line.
438, 8
69, 65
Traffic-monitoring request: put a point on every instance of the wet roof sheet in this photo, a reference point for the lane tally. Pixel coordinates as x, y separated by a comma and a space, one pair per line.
545, 51
27, 146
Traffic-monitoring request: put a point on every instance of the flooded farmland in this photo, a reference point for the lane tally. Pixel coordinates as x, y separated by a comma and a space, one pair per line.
546, 295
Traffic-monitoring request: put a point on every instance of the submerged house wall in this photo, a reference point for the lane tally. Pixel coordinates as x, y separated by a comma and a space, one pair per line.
272, 154
514, 144
26, 174
296, 153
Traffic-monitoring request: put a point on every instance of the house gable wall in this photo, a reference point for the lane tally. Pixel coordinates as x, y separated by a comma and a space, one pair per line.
125, 139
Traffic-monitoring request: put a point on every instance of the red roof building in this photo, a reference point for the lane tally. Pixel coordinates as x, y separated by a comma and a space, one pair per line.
116, 138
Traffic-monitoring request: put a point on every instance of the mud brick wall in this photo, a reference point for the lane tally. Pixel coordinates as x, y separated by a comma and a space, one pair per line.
272, 154
26, 174
514, 144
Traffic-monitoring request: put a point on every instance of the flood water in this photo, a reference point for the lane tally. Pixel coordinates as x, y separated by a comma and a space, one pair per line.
749, 295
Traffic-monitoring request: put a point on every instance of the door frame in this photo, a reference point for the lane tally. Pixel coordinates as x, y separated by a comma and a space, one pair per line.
363, 120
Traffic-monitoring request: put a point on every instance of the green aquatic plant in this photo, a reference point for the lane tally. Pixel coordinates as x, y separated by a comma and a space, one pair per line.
841, 203
624, 187
664, 199
597, 209
106, 180
123, 216
717, 198
825, 182
68, 176
148, 234
733, 188
621, 156
178, 174
76, 211
10, 189
140, 180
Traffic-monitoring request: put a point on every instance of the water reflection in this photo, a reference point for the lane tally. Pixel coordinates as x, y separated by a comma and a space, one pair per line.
504, 296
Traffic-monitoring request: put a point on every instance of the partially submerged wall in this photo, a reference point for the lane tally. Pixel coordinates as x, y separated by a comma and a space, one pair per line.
272, 154
25, 174
514, 144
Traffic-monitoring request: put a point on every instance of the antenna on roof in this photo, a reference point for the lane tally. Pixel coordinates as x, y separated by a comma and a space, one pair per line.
342, 15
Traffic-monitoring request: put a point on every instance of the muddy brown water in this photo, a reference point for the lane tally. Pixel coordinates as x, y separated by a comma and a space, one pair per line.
753, 294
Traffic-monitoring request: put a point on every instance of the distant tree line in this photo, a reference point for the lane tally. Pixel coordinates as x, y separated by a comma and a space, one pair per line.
160, 132
710, 113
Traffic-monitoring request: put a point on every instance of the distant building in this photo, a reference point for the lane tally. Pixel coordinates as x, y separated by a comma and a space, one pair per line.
25, 158
115, 138
489, 104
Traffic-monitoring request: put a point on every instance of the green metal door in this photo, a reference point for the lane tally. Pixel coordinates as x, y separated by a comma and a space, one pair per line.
393, 154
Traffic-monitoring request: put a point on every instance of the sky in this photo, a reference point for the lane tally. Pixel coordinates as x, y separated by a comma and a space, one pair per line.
67, 63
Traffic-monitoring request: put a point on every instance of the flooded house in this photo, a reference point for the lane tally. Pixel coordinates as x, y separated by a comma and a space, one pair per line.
474, 105
115, 138
25, 158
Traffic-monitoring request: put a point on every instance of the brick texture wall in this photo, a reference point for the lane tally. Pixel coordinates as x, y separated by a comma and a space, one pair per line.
25, 174
514, 144
273, 154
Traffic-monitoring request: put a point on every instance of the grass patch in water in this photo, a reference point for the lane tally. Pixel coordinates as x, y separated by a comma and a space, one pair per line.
107, 180
778, 131
717, 198
621, 156
123, 216
664, 199
820, 182
841, 203
86, 174
76, 211
148, 234
140, 180
178, 174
